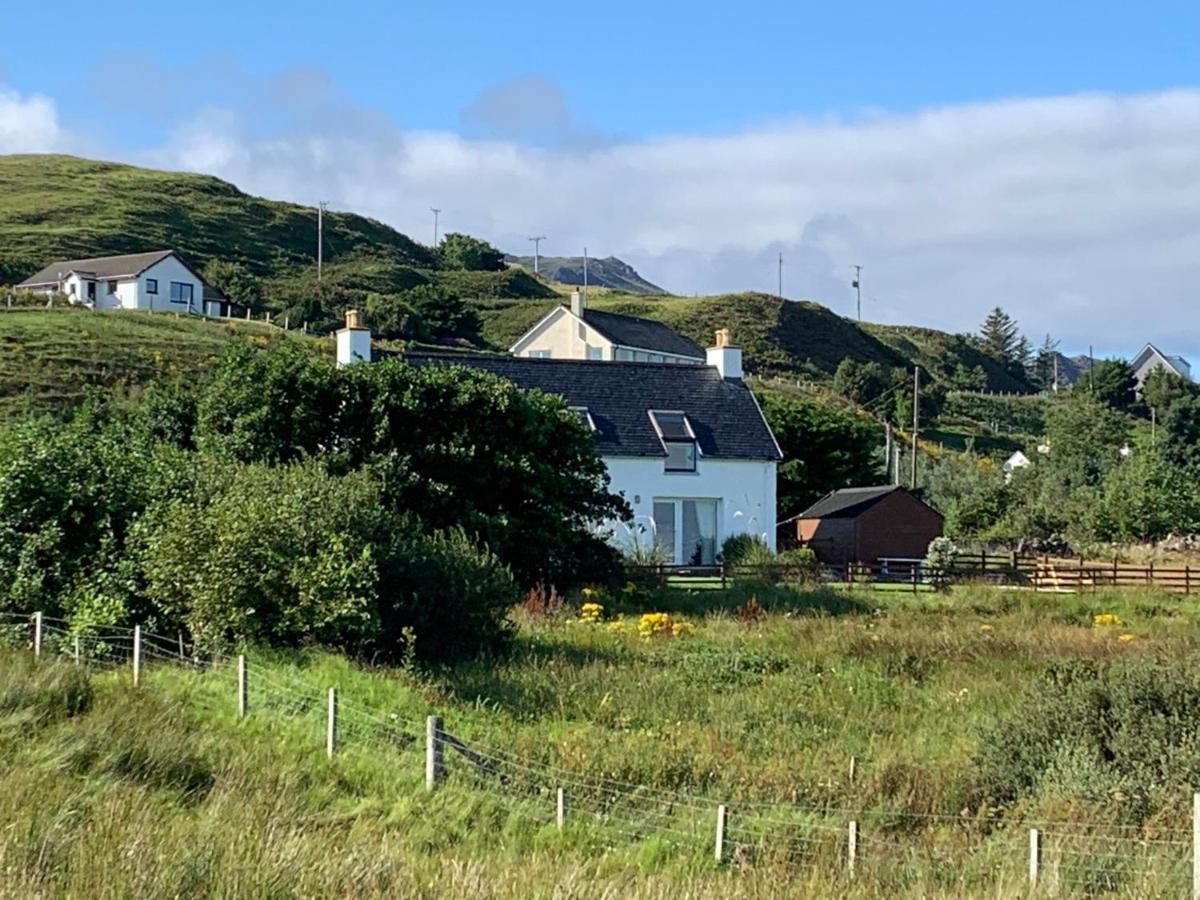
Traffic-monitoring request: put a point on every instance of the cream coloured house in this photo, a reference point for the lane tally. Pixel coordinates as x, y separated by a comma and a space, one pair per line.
576, 332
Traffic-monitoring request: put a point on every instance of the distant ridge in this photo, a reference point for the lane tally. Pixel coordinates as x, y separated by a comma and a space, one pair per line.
609, 272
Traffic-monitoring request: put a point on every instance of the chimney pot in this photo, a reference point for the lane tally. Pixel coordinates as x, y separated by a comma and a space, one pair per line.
354, 318
724, 356
577, 303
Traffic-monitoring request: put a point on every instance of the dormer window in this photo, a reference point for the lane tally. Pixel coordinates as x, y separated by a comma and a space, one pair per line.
678, 439
585, 417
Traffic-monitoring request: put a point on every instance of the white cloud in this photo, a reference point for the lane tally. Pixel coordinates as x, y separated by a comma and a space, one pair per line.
1078, 214
28, 124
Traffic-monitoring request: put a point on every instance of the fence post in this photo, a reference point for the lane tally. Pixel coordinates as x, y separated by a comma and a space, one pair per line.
241, 686
137, 655
435, 769
1035, 857
37, 635
562, 809
331, 724
1187, 579
181, 656
1150, 573
851, 847
1196, 847
853, 766
719, 842
77, 654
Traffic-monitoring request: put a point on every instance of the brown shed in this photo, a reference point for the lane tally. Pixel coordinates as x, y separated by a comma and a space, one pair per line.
866, 524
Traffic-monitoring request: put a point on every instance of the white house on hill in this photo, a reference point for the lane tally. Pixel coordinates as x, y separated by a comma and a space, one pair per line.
1150, 358
687, 445
158, 280
577, 332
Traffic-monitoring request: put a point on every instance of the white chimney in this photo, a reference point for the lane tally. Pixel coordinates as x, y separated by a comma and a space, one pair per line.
726, 357
577, 303
353, 341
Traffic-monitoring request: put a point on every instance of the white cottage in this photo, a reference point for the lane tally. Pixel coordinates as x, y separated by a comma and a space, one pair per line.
158, 280
687, 445
1150, 358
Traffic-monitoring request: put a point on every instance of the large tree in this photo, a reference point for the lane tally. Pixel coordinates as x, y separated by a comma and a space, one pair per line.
1112, 381
461, 251
1000, 336
825, 447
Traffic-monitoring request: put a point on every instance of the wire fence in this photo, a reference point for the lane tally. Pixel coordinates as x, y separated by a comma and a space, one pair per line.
893, 847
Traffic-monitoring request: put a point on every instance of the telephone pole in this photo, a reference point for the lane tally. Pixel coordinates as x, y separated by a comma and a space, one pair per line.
436, 212
916, 420
887, 450
585, 276
780, 274
537, 240
857, 285
321, 207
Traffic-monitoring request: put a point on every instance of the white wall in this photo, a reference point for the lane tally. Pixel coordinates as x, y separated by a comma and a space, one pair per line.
745, 490
565, 336
166, 271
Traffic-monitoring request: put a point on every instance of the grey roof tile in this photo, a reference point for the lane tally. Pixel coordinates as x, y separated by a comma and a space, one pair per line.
644, 334
100, 267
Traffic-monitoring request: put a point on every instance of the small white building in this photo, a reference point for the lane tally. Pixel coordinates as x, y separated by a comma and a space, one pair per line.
158, 280
1150, 358
579, 332
686, 445
1017, 461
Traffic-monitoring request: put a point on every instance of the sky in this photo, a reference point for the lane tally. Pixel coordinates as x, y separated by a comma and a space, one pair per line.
1040, 157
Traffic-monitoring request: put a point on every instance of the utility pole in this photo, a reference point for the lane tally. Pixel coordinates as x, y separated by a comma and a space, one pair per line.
585, 276
1056, 371
1153, 426
857, 285
916, 420
887, 450
780, 274
436, 212
321, 207
537, 240
1091, 370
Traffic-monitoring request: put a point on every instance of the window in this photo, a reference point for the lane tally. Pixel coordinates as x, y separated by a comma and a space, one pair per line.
685, 530
181, 292
678, 439
539, 354
112, 287
151, 285
595, 352
91, 290
624, 355
585, 417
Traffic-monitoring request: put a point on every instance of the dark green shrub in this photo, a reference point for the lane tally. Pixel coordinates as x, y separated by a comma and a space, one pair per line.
1124, 734
738, 548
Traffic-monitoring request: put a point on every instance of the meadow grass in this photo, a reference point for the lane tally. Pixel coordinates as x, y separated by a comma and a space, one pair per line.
107, 791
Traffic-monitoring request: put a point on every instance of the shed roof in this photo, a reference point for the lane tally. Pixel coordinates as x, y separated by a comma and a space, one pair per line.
619, 397
848, 503
100, 267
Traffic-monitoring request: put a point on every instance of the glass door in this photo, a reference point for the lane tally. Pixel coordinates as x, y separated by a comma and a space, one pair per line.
686, 531
664, 530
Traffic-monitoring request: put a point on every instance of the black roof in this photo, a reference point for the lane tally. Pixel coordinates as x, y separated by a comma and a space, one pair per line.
100, 267
848, 502
620, 395
644, 334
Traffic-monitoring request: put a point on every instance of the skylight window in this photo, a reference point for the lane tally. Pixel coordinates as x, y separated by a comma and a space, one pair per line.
678, 440
585, 417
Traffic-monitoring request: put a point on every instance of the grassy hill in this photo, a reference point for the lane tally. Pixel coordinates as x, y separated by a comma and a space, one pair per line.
48, 358
63, 207
107, 791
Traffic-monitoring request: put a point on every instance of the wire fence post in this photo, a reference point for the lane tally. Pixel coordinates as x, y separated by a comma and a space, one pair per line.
78, 656
1195, 846
137, 655
1035, 857
435, 769
181, 656
562, 809
719, 841
241, 686
37, 635
331, 724
851, 847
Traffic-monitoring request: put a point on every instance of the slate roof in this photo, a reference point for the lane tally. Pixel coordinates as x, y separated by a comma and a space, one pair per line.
848, 503
644, 334
1177, 363
619, 396
100, 267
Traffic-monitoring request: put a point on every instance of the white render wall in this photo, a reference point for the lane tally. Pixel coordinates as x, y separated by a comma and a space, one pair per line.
166, 271
565, 336
744, 489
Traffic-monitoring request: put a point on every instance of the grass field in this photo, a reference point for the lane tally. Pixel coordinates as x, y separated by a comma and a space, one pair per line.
107, 792
48, 358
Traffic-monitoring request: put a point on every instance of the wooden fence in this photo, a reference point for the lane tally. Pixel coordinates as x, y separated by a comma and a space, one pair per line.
1040, 573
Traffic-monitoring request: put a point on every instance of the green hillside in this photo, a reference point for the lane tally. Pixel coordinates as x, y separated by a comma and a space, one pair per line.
63, 207
48, 358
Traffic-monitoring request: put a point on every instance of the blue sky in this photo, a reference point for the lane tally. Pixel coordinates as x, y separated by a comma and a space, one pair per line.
1045, 157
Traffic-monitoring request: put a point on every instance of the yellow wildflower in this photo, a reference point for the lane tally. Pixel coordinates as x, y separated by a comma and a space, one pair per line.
1105, 619
985, 627
1125, 637
591, 612
617, 625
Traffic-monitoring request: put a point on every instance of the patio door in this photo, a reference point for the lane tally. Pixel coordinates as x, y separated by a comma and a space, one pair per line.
686, 530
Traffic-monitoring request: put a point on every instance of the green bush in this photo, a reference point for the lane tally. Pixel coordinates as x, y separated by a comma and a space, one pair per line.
743, 550
1124, 735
